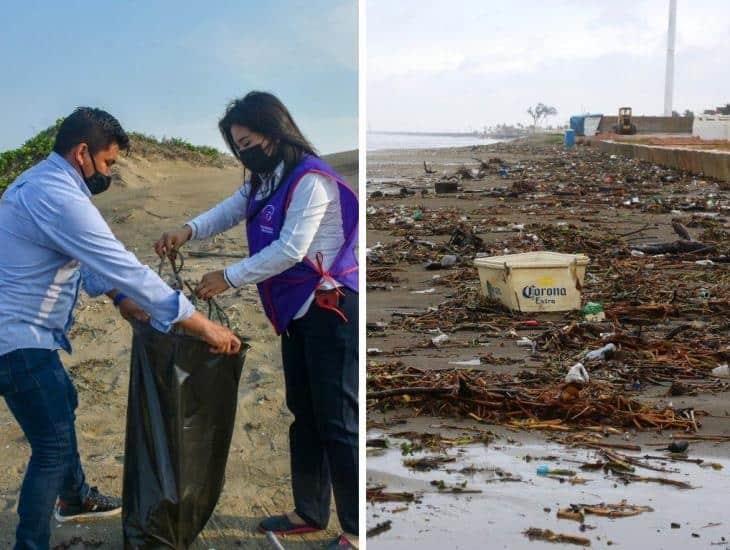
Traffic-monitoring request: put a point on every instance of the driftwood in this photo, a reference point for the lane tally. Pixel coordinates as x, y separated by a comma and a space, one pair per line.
680, 246
547, 535
407, 391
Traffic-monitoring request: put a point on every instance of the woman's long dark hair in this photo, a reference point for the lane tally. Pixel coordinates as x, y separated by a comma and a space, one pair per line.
265, 114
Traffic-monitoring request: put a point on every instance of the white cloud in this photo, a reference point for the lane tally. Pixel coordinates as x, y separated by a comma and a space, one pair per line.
448, 65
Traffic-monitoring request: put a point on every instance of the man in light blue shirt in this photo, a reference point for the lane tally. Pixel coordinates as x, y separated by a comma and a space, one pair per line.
52, 239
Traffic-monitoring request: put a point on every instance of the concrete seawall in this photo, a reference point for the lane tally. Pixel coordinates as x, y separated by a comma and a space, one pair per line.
714, 164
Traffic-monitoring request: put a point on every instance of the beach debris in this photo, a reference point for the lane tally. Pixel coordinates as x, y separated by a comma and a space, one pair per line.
545, 470
678, 446
443, 187
577, 375
593, 312
459, 488
721, 371
380, 527
661, 480
601, 354
379, 494
533, 533
448, 260
426, 463
528, 405
425, 291
577, 512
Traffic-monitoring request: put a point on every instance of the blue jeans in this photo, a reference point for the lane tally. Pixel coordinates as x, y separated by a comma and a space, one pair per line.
43, 399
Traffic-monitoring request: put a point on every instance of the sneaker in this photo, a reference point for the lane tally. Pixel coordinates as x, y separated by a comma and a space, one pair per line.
340, 543
282, 525
95, 506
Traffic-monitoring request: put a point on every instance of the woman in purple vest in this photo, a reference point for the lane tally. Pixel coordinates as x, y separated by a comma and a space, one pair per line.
301, 224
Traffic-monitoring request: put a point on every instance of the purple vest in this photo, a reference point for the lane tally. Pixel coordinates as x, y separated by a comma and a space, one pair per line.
284, 294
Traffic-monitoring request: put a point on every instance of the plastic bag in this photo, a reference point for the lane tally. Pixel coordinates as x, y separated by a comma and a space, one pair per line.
180, 416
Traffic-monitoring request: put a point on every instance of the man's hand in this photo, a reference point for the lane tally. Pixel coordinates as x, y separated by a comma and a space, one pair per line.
129, 309
220, 338
171, 241
211, 285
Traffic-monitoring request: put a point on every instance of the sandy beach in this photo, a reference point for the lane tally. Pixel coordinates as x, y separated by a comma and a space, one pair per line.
156, 194
446, 469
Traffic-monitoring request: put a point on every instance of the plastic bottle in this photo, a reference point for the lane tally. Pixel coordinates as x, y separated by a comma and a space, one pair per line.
577, 375
721, 371
600, 353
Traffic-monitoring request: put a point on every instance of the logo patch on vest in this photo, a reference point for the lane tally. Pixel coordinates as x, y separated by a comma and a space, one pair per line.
267, 215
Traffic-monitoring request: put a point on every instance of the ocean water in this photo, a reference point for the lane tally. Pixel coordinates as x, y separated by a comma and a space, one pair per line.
378, 141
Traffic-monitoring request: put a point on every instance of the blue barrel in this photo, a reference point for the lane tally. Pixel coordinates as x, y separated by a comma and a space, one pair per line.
569, 139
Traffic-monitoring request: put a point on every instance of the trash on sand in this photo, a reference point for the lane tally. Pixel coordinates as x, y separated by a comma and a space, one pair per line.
578, 512
678, 446
534, 281
537, 405
577, 375
446, 187
448, 260
455, 489
426, 463
533, 533
467, 363
660, 480
379, 528
545, 470
374, 351
593, 312
378, 494
525, 342
440, 339
426, 291
721, 371
601, 354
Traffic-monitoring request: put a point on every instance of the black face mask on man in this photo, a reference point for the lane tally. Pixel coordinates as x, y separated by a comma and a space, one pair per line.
256, 160
97, 182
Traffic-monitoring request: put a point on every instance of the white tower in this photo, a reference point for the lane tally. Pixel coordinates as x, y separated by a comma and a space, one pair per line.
669, 77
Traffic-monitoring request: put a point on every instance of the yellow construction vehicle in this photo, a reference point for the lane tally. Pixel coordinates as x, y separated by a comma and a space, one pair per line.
624, 126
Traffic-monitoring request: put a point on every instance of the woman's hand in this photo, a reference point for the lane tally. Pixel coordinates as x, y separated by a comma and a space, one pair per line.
211, 285
171, 241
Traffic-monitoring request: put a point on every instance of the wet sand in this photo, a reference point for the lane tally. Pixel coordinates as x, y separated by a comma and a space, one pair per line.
546, 185
159, 195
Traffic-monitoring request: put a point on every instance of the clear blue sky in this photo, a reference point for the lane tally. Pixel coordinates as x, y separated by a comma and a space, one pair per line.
169, 68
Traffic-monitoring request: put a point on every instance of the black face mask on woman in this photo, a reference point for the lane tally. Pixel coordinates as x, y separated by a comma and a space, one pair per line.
256, 160
97, 182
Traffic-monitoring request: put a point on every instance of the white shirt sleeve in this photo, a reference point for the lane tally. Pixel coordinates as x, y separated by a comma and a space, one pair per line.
303, 218
223, 215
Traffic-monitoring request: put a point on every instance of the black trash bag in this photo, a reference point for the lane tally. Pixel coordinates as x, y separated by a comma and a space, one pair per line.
180, 414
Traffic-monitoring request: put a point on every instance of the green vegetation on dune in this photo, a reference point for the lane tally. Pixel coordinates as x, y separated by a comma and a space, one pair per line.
15, 161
